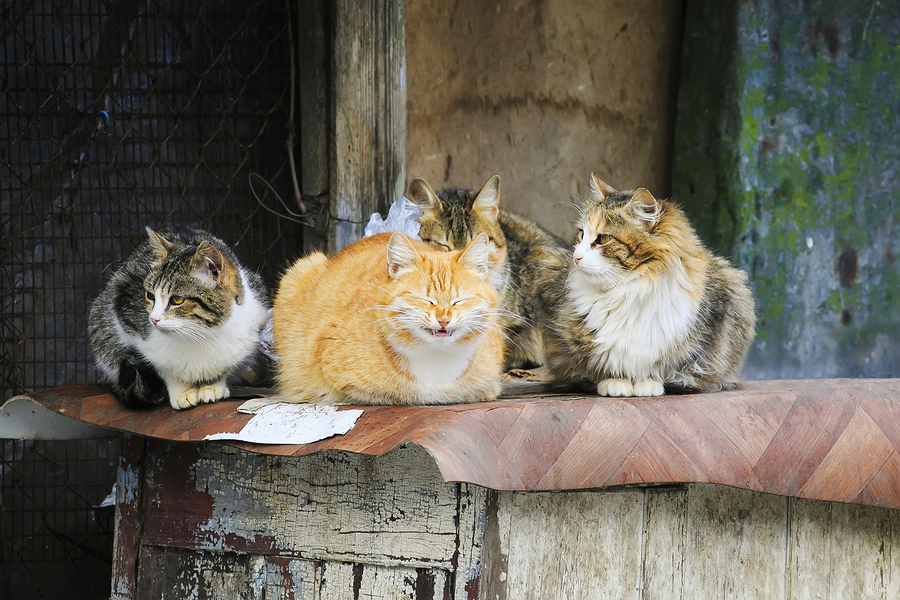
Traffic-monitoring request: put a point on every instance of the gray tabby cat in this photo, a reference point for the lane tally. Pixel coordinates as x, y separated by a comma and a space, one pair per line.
642, 305
453, 217
176, 319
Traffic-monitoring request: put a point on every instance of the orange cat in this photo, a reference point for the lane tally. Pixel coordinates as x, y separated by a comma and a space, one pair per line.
389, 321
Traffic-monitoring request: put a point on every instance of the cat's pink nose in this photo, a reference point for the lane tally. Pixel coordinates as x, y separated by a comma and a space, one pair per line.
576, 258
154, 321
442, 321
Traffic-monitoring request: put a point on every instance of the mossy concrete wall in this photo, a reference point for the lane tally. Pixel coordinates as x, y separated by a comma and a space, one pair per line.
787, 157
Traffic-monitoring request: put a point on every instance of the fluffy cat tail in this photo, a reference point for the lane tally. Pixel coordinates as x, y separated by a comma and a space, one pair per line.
138, 385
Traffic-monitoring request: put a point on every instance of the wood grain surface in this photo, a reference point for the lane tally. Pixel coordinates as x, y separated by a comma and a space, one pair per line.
834, 439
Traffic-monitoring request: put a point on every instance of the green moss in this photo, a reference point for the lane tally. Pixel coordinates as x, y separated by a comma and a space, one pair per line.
799, 142
833, 303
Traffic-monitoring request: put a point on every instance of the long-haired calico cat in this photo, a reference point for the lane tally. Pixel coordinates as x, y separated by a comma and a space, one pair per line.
452, 217
388, 320
645, 305
176, 319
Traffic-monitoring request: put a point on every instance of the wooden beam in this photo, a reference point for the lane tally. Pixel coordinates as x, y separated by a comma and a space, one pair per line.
368, 115
313, 92
129, 517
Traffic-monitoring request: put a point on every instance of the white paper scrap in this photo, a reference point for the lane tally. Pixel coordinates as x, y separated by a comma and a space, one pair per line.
280, 423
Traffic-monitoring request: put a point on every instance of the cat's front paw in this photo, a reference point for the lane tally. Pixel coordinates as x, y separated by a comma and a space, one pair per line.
212, 392
648, 387
615, 387
184, 399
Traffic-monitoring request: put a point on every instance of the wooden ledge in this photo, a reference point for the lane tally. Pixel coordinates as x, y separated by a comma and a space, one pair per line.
834, 439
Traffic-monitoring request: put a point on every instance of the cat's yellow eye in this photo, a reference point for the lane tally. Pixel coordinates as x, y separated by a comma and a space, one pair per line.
602, 239
150, 297
176, 300
579, 237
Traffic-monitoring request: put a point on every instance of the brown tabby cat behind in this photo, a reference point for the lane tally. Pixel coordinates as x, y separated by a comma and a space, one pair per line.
388, 320
643, 305
452, 217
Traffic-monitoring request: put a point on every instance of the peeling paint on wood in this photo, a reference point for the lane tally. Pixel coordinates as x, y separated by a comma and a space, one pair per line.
211, 521
333, 506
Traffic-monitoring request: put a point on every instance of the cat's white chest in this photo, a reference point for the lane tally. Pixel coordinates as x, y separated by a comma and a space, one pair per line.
208, 352
634, 323
436, 368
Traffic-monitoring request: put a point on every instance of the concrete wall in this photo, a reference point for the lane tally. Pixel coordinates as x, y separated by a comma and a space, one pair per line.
787, 159
543, 93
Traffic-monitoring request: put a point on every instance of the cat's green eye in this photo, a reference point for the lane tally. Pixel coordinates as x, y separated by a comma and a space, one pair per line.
176, 300
602, 239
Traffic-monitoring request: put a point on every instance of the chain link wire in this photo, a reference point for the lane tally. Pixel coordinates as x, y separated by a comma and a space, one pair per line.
116, 115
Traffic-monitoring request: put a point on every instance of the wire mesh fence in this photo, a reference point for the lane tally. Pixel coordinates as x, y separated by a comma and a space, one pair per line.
57, 536
116, 115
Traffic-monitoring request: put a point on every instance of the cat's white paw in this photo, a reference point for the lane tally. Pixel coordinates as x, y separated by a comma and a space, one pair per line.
648, 387
212, 392
185, 399
615, 387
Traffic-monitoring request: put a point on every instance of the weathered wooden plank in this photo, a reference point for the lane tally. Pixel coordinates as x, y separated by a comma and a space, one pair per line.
313, 89
735, 544
663, 544
129, 517
840, 551
747, 430
391, 510
369, 113
353, 581
473, 505
179, 573
573, 545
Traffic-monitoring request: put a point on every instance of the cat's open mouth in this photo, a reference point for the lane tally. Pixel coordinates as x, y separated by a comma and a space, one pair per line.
439, 332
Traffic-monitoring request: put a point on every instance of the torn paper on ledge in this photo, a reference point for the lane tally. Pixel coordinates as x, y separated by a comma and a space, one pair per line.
283, 423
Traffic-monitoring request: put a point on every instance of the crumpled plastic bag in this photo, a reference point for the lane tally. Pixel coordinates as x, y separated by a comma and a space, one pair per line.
402, 216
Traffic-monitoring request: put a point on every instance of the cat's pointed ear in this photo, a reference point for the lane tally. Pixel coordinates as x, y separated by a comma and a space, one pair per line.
487, 201
600, 188
160, 245
208, 263
645, 207
421, 193
477, 255
401, 256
